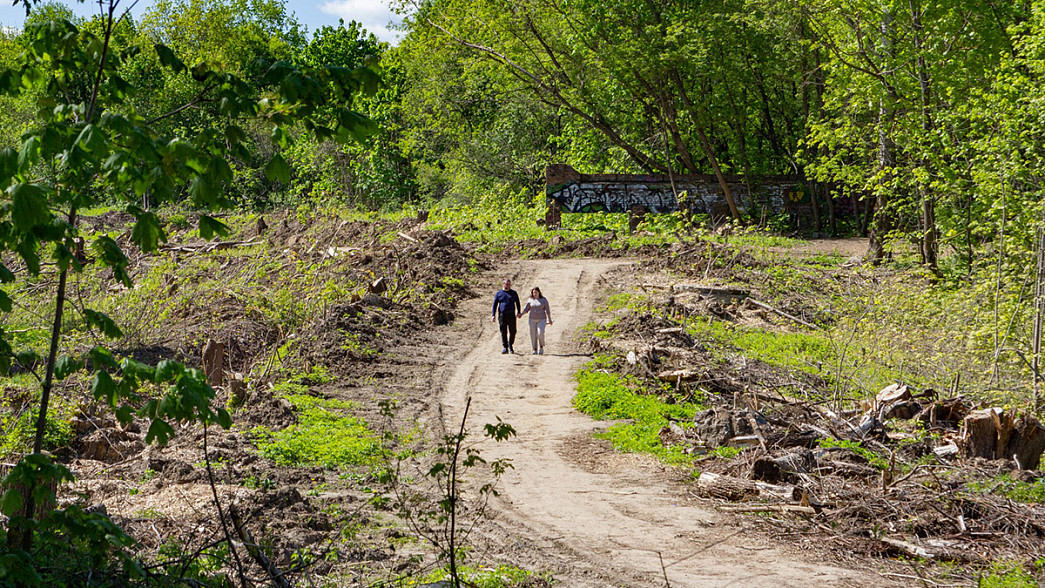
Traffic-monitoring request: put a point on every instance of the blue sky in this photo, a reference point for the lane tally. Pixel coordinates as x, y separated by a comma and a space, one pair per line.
374, 14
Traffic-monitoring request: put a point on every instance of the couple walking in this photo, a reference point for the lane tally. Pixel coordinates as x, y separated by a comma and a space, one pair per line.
507, 308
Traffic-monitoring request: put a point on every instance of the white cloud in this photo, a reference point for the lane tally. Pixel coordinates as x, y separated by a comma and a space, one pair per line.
374, 15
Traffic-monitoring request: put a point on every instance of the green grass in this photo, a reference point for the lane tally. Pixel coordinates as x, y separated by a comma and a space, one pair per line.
18, 424
326, 434
479, 577
1028, 492
802, 351
872, 458
606, 396
323, 436
1009, 575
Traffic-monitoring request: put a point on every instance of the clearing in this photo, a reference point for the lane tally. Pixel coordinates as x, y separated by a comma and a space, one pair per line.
603, 518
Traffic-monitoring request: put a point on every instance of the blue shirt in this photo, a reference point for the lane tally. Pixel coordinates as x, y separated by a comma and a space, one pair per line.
503, 301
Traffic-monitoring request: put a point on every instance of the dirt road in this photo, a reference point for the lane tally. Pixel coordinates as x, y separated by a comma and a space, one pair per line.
601, 518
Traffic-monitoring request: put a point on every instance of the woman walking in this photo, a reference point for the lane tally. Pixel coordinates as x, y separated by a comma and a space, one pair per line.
540, 316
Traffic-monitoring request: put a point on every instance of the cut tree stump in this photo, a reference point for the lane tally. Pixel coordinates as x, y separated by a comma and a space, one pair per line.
213, 361
994, 433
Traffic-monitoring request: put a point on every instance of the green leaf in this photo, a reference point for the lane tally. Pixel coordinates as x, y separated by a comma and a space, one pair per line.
201, 191
101, 357
211, 226
224, 420
138, 370
159, 431
29, 153
277, 169
66, 366
280, 137
92, 141
8, 165
109, 252
168, 370
169, 59
29, 207
11, 502
5, 302
27, 358
147, 232
103, 387
103, 323
125, 414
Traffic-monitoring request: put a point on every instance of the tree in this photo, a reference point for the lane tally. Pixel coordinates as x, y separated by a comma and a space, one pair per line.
95, 146
670, 87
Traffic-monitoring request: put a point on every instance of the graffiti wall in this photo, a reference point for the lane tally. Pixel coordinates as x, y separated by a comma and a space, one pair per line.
569, 191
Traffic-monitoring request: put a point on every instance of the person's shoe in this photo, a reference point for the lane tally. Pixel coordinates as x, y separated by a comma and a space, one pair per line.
541, 352
511, 349
535, 351
504, 351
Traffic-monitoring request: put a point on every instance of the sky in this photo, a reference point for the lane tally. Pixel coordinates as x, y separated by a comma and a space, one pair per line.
375, 15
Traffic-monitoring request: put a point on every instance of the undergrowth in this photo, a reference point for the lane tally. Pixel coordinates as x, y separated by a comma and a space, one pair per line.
606, 396
480, 577
326, 434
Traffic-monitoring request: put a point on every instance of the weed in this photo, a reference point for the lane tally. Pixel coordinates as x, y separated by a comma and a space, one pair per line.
607, 396
18, 426
1019, 491
481, 577
1007, 574
255, 483
856, 447
323, 436
148, 513
725, 452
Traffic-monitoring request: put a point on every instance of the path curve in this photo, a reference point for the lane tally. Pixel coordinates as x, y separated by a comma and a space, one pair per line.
604, 520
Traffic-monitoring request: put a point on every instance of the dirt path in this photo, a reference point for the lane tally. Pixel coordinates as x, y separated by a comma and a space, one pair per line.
604, 519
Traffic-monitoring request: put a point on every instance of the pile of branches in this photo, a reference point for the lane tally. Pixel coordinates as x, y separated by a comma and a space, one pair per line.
908, 475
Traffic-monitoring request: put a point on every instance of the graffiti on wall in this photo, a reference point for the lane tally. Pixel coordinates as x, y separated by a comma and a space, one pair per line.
574, 192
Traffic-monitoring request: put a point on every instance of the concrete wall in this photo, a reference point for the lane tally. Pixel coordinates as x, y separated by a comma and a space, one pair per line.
569, 191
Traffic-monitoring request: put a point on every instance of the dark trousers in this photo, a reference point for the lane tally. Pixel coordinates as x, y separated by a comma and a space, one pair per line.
507, 324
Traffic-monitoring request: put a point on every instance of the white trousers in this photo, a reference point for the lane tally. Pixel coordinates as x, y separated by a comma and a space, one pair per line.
537, 333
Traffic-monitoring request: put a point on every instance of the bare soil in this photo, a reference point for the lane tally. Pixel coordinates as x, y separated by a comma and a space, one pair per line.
595, 516
571, 505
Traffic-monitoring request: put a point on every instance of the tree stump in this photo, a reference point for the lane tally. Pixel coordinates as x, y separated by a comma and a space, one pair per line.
994, 433
213, 361
636, 215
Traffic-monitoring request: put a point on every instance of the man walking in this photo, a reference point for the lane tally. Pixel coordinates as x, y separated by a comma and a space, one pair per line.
506, 307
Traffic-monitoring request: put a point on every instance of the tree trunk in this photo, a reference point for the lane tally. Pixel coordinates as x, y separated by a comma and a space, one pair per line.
930, 233
708, 151
881, 223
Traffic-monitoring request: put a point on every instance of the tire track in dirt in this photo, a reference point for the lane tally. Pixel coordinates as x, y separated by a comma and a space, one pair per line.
602, 518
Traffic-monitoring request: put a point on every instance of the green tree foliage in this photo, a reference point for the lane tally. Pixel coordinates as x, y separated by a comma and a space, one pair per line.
89, 143
374, 174
674, 87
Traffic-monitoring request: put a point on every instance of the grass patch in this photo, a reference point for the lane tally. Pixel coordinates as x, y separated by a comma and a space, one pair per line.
1028, 492
1009, 575
499, 577
326, 434
872, 458
323, 437
606, 396
802, 351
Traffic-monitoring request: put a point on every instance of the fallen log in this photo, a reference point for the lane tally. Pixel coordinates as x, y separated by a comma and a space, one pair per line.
209, 246
730, 488
769, 508
676, 376
777, 311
